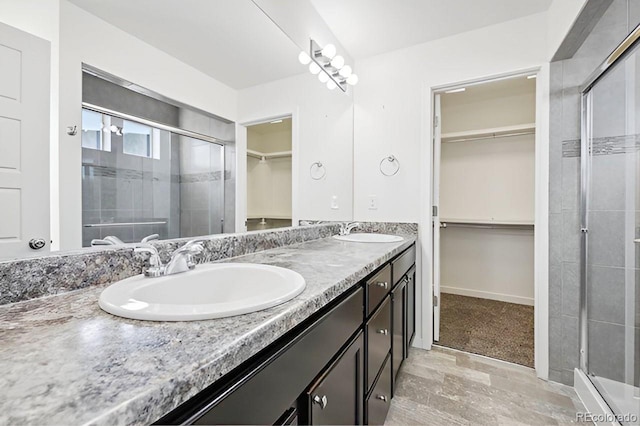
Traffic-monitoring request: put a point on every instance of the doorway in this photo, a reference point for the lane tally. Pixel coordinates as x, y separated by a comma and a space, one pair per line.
269, 174
483, 233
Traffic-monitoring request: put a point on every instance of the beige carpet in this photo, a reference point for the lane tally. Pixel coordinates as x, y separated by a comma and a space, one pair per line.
495, 329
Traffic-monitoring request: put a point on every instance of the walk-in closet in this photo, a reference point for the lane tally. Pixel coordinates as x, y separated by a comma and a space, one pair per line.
269, 178
485, 165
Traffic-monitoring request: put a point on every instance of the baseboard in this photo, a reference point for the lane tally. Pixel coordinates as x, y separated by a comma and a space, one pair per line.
488, 295
599, 411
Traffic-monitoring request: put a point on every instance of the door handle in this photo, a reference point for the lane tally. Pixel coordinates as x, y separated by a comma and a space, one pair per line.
384, 285
382, 398
37, 243
383, 331
320, 400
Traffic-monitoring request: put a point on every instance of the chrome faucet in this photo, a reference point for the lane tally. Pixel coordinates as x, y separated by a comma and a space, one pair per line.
181, 259
347, 227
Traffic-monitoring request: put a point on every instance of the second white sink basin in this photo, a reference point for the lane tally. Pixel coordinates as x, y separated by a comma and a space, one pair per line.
369, 238
210, 291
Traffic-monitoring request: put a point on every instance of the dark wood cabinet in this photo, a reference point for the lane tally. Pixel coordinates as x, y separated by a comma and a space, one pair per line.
377, 288
411, 309
379, 399
336, 396
378, 340
399, 313
337, 367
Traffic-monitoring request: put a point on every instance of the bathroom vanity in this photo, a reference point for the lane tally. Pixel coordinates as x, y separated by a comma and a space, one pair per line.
329, 355
337, 367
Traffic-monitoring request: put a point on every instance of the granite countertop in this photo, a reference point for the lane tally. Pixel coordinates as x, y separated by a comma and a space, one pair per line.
65, 361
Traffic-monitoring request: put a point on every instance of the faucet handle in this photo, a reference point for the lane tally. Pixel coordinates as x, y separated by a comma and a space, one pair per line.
156, 267
191, 247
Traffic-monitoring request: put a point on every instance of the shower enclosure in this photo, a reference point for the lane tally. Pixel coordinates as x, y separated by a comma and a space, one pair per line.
610, 210
141, 180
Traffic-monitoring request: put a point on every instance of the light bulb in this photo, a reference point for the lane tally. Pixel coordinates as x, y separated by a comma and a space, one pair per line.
304, 58
345, 71
329, 51
331, 85
352, 80
323, 77
337, 62
314, 68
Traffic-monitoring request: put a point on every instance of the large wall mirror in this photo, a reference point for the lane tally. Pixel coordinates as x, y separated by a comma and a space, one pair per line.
163, 123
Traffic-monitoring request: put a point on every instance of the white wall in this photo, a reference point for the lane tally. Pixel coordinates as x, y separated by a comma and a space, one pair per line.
85, 38
492, 264
42, 19
322, 131
269, 188
393, 110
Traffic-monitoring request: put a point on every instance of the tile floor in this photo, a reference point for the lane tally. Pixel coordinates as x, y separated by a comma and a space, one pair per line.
492, 328
449, 387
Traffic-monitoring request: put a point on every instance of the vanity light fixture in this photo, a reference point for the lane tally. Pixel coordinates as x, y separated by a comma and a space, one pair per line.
462, 89
276, 121
330, 67
529, 77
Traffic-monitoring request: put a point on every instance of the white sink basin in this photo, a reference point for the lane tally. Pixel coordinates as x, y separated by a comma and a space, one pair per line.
209, 291
369, 238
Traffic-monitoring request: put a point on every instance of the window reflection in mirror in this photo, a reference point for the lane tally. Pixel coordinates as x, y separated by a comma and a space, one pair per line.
147, 181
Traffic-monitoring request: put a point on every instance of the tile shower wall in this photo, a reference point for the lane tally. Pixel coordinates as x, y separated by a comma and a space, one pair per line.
201, 189
564, 237
158, 187
123, 188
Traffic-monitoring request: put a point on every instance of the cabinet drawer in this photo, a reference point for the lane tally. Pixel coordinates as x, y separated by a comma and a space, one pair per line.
377, 288
378, 340
380, 398
403, 263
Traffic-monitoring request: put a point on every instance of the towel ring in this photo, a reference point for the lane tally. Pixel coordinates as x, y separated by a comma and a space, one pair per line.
317, 171
389, 166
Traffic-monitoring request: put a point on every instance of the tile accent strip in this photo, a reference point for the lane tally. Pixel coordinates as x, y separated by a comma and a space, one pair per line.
604, 146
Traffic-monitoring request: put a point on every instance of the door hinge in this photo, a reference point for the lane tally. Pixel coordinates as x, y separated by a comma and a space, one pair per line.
436, 121
435, 300
434, 211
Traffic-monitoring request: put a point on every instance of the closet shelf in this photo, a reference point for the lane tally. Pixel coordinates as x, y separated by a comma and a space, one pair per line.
268, 155
488, 224
496, 132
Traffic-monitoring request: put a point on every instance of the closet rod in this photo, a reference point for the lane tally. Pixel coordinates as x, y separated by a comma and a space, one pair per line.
490, 136
486, 225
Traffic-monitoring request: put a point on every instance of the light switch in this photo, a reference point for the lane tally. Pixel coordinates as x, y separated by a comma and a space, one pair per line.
334, 203
373, 202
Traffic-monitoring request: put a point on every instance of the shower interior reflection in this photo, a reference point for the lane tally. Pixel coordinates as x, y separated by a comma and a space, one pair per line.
139, 181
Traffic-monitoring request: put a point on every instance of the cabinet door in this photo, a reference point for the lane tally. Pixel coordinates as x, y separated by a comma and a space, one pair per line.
336, 397
411, 309
398, 297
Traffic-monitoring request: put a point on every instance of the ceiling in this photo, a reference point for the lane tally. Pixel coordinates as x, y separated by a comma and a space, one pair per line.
234, 42
277, 126
370, 27
229, 40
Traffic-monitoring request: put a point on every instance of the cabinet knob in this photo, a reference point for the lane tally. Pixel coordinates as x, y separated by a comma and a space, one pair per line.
320, 400
383, 331
382, 398
384, 285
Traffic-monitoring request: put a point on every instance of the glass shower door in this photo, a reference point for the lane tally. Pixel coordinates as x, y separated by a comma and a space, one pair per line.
611, 211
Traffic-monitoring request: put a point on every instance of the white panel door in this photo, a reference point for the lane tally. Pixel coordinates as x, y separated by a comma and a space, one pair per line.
437, 132
24, 143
